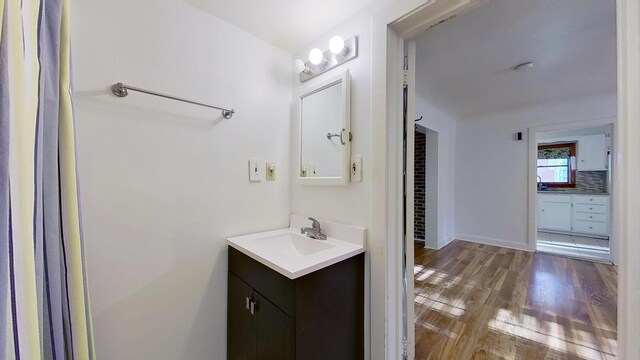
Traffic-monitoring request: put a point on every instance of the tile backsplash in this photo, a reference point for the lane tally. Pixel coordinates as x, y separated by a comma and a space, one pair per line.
591, 181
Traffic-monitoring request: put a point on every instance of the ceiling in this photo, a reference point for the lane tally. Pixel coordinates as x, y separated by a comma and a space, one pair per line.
287, 24
465, 63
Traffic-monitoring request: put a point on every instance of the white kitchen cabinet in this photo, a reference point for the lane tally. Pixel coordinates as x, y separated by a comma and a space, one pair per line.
592, 153
591, 214
554, 212
580, 214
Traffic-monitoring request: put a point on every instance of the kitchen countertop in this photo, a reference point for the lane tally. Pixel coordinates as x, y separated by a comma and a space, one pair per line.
572, 192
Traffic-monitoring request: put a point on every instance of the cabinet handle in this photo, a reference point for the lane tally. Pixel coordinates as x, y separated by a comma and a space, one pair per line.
248, 302
253, 307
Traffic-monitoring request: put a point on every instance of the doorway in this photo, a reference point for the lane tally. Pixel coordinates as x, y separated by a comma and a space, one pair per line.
486, 168
574, 179
403, 20
425, 187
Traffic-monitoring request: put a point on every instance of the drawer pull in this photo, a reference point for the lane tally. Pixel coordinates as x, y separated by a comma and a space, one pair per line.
248, 302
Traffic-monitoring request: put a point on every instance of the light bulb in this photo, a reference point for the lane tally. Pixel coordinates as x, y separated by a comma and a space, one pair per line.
316, 57
336, 45
300, 66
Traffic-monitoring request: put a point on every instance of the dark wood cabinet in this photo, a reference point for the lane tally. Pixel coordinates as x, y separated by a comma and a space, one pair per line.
316, 316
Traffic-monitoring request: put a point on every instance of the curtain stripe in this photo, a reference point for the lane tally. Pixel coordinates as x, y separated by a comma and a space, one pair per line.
23, 70
12, 282
5, 317
71, 214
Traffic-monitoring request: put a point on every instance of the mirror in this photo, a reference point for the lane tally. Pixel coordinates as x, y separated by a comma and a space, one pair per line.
325, 133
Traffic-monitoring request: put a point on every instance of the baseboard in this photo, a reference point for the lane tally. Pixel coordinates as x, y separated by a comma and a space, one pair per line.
444, 243
495, 242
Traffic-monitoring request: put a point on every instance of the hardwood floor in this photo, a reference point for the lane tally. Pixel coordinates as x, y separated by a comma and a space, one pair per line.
476, 301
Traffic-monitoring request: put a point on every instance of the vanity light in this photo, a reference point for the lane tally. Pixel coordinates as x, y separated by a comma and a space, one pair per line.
340, 51
336, 45
301, 67
316, 57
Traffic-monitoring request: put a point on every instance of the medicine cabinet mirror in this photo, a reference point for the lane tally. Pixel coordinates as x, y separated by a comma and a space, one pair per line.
325, 132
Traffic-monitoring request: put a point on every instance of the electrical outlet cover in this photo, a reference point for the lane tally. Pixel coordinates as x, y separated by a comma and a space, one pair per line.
271, 171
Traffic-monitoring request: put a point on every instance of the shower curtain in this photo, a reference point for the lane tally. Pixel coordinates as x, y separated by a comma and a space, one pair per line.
44, 304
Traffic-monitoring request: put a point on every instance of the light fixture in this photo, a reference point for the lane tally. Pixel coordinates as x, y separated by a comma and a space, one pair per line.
300, 67
336, 45
340, 51
316, 57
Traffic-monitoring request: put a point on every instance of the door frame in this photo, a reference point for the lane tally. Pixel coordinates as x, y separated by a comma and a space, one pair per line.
402, 20
532, 188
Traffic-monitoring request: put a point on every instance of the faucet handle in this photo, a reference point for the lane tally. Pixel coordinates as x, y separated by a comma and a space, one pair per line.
315, 223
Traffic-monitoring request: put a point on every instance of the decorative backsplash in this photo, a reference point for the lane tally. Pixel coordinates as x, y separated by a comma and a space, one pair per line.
591, 181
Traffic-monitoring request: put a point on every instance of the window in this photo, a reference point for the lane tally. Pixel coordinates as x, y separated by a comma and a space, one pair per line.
554, 164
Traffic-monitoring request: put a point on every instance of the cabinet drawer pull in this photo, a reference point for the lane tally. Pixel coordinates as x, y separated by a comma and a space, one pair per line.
253, 308
248, 302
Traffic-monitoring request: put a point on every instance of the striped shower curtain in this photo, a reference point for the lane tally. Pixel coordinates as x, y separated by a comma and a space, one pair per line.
44, 305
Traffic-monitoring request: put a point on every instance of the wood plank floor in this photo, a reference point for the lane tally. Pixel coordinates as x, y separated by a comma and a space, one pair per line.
476, 301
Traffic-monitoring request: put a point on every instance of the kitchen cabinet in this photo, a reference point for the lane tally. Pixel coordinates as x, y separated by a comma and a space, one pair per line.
580, 214
316, 316
591, 214
592, 153
554, 212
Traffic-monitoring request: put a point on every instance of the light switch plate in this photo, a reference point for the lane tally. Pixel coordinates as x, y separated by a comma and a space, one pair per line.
256, 170
355, 168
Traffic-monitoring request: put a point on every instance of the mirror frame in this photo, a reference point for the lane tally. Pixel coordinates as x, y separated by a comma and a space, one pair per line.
344, 79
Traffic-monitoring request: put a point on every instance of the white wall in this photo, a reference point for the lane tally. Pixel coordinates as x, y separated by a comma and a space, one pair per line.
164, 183
431, 191
444, 124
491, 203
345, 204
350, 204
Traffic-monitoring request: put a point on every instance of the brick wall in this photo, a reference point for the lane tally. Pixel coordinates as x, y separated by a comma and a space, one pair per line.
419, 183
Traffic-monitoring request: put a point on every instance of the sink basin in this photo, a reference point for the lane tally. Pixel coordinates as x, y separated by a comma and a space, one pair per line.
294, 255
291, 245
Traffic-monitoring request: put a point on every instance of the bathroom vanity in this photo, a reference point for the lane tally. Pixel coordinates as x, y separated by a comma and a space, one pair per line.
292, 297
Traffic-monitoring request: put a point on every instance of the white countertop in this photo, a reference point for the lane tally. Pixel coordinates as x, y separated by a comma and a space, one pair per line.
292, 254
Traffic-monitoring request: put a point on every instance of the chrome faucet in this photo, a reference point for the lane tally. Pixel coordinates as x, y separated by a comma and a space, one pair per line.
314, 231
539, 183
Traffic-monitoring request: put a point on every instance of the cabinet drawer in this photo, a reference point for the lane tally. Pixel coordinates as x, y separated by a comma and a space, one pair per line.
553, 198
583, 216
590, 227
275, 287
591, 200
597, 209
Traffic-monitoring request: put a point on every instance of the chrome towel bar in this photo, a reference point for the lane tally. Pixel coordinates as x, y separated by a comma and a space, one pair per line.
121, 90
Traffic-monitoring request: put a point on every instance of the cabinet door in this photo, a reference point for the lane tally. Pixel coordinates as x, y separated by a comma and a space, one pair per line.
555, 216
592, 153
274, 331
240, 334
